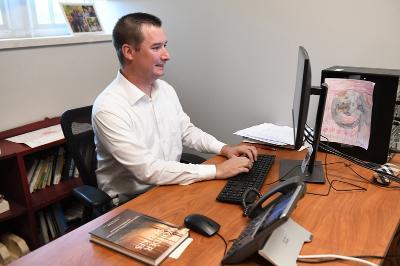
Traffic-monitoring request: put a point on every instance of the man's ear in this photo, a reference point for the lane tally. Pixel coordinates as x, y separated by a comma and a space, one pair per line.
128, 51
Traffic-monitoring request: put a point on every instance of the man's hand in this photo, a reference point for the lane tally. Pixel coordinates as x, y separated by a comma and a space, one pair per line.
239, 150
232, 167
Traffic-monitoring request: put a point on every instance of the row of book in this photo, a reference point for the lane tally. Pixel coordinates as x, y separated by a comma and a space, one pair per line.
55, 220
50, 169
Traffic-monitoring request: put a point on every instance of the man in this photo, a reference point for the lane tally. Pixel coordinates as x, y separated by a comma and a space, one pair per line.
139, 123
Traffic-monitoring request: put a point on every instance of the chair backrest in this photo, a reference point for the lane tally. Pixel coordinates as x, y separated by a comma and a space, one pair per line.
78, 132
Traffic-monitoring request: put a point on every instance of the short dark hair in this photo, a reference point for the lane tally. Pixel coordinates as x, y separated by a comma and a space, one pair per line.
128, 29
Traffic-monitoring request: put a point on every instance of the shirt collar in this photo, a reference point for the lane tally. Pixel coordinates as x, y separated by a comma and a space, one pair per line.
133, 93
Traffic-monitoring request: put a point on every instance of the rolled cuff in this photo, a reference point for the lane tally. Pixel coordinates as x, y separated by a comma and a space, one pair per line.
217, 146
205, 172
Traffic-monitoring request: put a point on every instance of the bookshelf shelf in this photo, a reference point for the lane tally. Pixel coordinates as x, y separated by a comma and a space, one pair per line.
16, 160
49, 195
15, 210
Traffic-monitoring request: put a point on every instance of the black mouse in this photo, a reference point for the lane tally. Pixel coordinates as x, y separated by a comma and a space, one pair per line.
202, 224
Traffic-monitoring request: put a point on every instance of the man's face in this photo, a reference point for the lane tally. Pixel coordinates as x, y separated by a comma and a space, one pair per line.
152, 56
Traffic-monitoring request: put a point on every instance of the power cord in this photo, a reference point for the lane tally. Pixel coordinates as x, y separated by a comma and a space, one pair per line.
376, 184
366, 180
321, 258
368, 165
332, 183
225, 243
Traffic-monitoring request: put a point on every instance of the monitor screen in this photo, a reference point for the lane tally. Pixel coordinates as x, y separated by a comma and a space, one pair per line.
301, 97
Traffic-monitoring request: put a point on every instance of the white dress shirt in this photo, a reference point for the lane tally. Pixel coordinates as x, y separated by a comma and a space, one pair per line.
139, 139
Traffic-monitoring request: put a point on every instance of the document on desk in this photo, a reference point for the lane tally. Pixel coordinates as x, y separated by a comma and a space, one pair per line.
269, 133
39, 137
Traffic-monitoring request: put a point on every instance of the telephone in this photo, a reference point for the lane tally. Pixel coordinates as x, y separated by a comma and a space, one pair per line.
265, 219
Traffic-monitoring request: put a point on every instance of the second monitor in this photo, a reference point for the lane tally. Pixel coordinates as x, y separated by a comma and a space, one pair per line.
311, 171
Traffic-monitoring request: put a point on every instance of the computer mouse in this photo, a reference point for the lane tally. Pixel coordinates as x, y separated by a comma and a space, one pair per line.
202, 224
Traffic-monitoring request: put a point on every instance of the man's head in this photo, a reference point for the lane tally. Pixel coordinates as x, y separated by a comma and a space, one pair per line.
128, 30
140, 43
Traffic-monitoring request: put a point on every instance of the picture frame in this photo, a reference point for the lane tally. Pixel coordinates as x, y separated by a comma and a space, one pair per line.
81, 18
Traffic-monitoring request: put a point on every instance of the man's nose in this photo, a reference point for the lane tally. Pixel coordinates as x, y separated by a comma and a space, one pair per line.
165, 55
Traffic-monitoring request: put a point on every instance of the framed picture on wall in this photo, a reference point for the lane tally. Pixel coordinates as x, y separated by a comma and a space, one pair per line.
81, 18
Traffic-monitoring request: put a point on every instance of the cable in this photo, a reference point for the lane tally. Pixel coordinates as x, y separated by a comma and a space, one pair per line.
366, 180
309, 138
323, 260
329, 256
368, 165
223, 239
331, 183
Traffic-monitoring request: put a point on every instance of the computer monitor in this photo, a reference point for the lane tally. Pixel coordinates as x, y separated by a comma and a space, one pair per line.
307, 168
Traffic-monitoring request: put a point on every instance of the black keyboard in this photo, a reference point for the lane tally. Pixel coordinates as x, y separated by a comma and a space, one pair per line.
237, 185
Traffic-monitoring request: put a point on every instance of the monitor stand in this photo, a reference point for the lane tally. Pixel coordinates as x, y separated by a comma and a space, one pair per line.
290, 168
309, 169
284, 245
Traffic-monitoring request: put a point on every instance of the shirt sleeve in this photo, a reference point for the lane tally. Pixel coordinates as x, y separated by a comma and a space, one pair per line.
119, 139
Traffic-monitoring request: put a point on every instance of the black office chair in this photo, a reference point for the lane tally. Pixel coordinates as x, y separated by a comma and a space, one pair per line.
77, 128
78, 132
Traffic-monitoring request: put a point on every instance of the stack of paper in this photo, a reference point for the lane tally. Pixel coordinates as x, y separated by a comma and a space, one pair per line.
39, 137
269, 133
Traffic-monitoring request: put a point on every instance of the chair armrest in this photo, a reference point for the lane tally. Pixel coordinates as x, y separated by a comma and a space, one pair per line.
192, 158
91, 196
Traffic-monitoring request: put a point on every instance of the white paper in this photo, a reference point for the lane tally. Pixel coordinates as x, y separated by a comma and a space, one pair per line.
270, 133
181, 248
39, 137
348, 111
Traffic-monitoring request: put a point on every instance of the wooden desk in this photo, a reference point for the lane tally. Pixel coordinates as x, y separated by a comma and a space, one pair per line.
346, 223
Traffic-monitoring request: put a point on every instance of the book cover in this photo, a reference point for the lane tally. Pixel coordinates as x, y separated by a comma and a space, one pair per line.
140, 236
59, 216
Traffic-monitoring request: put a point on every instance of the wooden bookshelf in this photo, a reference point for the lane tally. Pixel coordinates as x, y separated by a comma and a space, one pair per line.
15, 210
15, 160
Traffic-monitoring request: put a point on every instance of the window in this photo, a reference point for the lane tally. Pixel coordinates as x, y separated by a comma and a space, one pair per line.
33, 18
1, 19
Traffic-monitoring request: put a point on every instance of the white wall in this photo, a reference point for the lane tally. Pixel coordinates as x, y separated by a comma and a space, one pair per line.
233, 61
44, 82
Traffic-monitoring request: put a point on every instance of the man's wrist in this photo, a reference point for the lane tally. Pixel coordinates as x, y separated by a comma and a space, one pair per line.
223, 150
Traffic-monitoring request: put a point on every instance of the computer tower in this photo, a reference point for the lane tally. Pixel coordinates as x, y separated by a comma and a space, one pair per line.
383, 119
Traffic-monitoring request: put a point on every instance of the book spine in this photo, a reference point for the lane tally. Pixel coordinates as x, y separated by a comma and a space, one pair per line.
59, 217
38, 173
32, 170
50, 181
59, 166
43, 228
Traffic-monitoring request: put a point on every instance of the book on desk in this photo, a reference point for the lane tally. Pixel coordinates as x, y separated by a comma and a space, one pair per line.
140, 236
